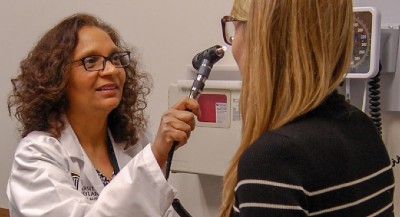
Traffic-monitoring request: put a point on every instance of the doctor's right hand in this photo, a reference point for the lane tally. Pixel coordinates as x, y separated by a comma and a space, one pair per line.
176, 125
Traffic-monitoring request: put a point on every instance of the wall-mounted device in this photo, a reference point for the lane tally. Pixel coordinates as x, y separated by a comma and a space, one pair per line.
375, 57
366, 51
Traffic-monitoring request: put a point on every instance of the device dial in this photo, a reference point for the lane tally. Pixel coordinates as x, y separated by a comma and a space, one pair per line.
362, 43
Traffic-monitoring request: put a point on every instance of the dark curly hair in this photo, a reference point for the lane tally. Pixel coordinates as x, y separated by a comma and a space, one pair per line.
39, 90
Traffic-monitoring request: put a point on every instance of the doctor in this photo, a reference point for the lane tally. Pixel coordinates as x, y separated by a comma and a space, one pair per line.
80, 100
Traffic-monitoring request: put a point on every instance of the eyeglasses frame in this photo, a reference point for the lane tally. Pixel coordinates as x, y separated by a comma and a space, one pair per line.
105, 59
224, 20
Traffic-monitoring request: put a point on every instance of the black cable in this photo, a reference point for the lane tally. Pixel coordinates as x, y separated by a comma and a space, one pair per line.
374, 100
169, 159
176, 204
180, 209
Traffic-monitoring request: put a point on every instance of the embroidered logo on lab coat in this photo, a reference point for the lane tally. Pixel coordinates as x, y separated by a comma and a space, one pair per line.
90, 193
75, 179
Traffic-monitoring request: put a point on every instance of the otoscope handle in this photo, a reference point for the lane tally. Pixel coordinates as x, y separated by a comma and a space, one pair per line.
202, 75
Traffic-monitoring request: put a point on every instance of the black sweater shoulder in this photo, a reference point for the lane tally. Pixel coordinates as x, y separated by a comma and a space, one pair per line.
335, 146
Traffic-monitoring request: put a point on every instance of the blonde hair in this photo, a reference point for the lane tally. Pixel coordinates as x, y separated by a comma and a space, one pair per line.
296, 53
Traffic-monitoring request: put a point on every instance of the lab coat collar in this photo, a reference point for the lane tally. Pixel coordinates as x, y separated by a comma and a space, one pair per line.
123, 156
71, 143
74, 149
76, 152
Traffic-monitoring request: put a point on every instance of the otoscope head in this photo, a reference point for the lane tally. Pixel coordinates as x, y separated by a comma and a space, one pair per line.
212, 54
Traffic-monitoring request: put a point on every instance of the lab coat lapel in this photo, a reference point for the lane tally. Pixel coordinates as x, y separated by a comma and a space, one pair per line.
71, 143
91, 174
86, 171
122, 156
125, 155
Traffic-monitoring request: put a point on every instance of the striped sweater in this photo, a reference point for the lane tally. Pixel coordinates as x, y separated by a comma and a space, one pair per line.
329, 162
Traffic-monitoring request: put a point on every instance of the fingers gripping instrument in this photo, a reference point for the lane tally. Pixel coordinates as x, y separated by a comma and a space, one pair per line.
203, 63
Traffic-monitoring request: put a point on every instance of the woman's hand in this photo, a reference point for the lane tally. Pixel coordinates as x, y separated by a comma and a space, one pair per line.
176, 124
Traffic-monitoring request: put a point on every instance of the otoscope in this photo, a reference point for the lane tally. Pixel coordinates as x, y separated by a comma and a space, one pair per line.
203, 63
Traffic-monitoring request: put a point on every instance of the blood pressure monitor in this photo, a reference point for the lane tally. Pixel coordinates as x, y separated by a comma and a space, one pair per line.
366, 49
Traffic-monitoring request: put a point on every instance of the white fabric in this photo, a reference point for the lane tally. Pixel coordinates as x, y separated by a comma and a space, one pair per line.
41, 182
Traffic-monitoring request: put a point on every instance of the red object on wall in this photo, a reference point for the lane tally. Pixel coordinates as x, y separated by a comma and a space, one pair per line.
208, 106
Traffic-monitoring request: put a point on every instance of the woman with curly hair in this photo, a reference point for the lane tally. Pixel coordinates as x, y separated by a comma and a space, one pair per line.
80, 100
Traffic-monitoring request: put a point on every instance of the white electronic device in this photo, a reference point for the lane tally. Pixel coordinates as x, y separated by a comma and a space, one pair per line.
366, 50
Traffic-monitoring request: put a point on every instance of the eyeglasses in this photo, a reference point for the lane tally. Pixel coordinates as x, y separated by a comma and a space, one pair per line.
98, 62
228, 28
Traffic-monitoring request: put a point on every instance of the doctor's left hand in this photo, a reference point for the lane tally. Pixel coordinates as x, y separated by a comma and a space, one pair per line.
176, 125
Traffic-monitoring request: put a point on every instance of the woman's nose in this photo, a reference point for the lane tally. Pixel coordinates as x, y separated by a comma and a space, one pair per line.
109, 69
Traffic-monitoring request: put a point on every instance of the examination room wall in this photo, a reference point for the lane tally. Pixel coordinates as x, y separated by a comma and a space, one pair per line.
167, 34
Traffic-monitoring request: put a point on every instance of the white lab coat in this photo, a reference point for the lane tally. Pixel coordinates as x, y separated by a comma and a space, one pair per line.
54, 178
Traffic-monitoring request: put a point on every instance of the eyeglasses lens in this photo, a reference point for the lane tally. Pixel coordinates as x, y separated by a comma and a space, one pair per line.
95, 63
120, 59
229, 32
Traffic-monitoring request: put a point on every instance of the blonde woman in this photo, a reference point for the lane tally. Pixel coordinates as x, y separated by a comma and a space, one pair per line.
304, 150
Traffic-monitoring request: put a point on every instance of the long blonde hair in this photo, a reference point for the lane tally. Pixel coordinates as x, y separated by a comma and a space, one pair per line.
296, 53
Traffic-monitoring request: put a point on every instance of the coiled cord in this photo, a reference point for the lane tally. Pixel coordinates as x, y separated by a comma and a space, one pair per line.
374, 100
